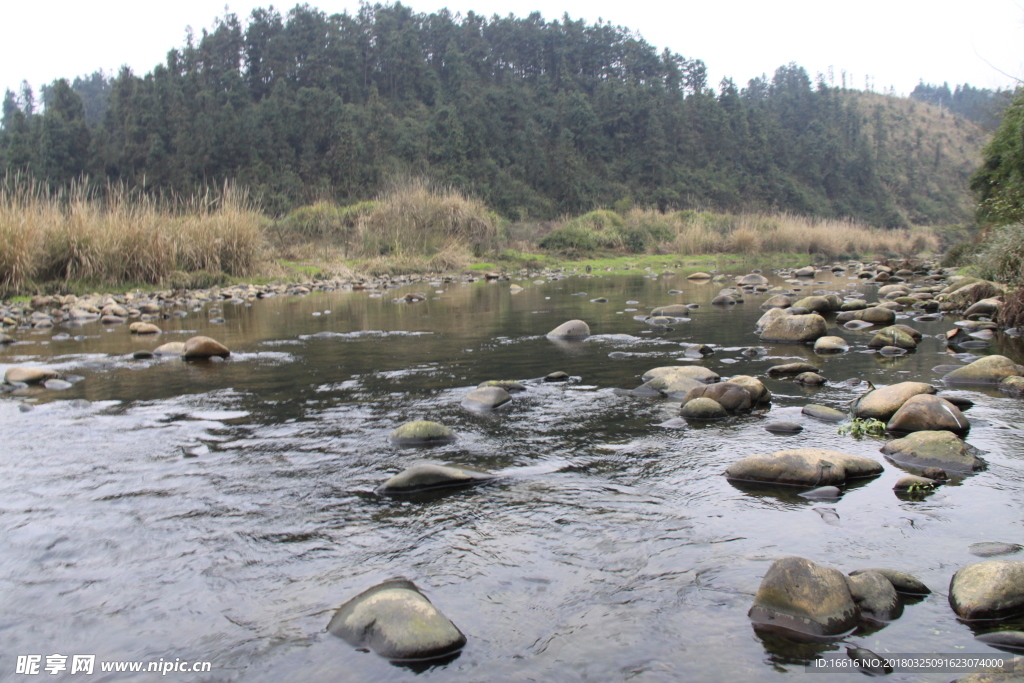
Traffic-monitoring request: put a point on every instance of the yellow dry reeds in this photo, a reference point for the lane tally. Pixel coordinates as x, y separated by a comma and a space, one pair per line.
413, 216
119, 235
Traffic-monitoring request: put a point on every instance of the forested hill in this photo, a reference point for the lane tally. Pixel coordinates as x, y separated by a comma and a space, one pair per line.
537, 118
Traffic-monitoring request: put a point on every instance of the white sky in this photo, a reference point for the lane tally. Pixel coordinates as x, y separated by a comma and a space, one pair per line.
894, 42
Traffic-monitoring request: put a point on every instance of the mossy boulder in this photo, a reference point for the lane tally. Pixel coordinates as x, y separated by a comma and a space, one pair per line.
987, 370
988, 590
421, 433
931, 448
798, 595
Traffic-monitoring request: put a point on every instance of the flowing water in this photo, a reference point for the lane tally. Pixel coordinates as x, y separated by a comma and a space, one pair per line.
221, 511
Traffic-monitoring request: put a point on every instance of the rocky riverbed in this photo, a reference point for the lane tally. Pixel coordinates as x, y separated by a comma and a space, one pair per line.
538, 475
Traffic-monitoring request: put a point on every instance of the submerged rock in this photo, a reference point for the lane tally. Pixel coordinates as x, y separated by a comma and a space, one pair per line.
143, 328
396, 621
784, 428
823, 413
933, 448
506, 384
696, 372
421, 433
994, 548
988, 590
572, 329
1012, 641
811, 379
798, 595
557, 376
486, 398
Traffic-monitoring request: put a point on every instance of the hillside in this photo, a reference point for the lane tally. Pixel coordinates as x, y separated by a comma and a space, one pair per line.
537, 118
924, 155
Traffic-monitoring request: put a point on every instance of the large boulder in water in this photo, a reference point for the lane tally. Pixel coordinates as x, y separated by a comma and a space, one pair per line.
875, 596
758, 391
802, 467
987, 370
882, 404
830, 345
170, 349
396, 621
928, 413
794, 328
29, 375
988, 590
777, 301
701, 374
901, 581
892, 336
798, 595
483, 399
143, 328
421, 433
674, 310
941, 449
425, 476
733, 397
876, 315
703, 408
815, 304
768, 317
204, 347
752, 280
572, 329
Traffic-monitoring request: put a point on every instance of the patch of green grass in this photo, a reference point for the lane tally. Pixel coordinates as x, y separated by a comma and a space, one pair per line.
482, 266
303, 269
20, 299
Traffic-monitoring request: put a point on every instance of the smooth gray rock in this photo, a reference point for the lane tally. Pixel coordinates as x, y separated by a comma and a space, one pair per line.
901, 581
784, 428
811, 379
987, 370
875, 596
994, 549
988, 590
396, 621
790, 369
802, 467
824, 413
484, 399
425, 476
572, 329
732, 397
830, 345
799, 595
28, 375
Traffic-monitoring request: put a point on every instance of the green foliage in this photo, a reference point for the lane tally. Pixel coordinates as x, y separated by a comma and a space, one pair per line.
958, 255
863, 427
535, 118
1001, 257
570, 239
999, 183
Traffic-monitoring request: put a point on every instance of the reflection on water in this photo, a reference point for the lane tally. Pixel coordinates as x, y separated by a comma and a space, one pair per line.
221, 511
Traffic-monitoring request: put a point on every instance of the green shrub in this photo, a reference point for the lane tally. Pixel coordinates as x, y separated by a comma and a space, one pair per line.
1001, 257
569, 239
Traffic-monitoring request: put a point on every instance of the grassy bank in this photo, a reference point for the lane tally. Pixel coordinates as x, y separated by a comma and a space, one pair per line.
79, 238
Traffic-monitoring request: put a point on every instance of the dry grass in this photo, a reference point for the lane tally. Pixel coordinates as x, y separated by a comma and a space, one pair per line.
121, 236
415, 217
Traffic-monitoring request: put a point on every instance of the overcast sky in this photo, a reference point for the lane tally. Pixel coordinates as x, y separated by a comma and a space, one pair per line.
893, 42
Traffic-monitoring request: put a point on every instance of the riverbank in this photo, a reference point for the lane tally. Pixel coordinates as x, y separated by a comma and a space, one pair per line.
77, 241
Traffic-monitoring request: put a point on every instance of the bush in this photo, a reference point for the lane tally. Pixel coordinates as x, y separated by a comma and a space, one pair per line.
1001, 257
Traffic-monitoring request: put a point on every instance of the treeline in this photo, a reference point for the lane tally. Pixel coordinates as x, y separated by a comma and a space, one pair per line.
984, 106
536, 118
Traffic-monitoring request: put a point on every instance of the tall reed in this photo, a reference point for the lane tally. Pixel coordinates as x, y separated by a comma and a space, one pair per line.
121, 235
